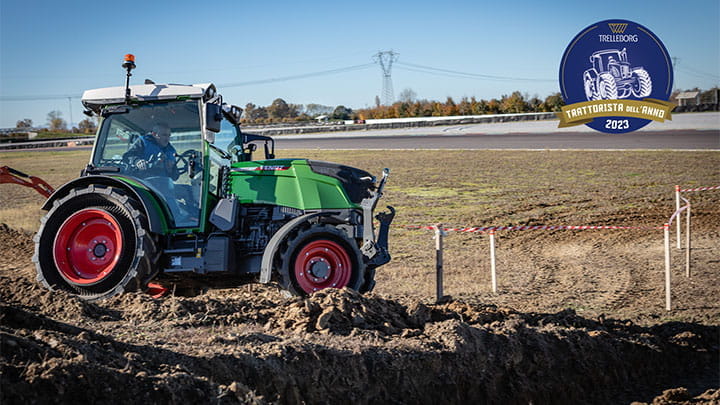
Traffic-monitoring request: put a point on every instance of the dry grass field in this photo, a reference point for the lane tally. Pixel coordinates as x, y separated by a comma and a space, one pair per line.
595, 296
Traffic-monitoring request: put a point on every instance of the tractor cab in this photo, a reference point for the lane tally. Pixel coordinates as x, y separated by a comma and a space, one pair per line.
164, 139
159, 145
613, 61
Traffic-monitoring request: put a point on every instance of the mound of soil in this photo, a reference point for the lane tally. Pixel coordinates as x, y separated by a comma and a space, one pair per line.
681, 396
253, 345
15, 245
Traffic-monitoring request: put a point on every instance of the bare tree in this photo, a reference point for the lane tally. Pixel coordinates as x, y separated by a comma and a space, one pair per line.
407, 95
279, 109
25, 123
314, 110
55, 122
87, 126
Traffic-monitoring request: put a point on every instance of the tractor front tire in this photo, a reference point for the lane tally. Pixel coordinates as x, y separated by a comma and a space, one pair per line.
317, 256
94, 243
607, 88
589, 84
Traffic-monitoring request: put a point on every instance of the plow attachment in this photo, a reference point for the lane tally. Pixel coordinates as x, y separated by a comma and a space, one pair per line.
10, 175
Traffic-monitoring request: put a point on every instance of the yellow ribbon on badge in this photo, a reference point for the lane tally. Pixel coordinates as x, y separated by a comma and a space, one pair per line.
582, 113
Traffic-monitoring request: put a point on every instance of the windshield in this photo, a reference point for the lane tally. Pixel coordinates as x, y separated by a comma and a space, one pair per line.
160, 145
608, 57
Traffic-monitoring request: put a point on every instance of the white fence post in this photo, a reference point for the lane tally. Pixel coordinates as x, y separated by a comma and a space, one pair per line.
493, 275
677, 207
687, 242
668, 304
439, 261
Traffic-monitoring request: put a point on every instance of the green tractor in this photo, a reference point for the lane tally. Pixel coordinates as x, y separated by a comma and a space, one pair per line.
171, 190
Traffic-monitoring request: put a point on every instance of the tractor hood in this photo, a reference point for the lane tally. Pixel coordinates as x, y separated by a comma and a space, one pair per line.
301, 184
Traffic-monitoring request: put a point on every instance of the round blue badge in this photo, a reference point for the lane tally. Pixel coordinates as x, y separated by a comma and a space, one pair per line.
615, 60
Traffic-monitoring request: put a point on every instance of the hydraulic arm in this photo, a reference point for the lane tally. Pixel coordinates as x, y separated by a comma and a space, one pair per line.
10, 175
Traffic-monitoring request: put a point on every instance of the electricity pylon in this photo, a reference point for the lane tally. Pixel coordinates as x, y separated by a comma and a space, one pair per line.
386, 59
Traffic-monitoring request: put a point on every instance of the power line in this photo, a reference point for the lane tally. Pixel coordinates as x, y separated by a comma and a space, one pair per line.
692, 71
296, 77
385, 59
436, 73
40, 97
456, 73
459, 76
220, 85
698, 73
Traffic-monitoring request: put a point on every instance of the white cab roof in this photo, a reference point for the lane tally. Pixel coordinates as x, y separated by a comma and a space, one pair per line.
143, 92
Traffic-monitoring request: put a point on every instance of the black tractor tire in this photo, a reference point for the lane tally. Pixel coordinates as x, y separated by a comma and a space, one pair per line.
369, 284
319, 256
94, 242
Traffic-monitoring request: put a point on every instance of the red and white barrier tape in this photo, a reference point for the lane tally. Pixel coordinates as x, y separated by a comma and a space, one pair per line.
679, 210
697, 189
486, 229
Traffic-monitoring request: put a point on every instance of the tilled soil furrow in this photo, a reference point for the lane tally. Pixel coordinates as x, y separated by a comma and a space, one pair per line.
253, 345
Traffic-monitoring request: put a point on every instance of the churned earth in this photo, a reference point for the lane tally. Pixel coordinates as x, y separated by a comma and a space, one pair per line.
251, 345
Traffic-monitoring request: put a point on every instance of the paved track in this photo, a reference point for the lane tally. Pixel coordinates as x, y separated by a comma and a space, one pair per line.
673, 139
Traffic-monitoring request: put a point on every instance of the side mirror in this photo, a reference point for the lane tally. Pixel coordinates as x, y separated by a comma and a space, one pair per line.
233, 113
213, 117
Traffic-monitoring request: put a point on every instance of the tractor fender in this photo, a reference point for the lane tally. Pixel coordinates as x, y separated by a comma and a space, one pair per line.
592, 73
156, 223
277, 238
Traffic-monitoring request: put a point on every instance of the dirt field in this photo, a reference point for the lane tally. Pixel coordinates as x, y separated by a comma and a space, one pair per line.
579, 317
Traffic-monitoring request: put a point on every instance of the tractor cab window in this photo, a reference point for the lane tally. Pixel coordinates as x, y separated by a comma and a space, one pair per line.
160, 145
224, 141
607, 59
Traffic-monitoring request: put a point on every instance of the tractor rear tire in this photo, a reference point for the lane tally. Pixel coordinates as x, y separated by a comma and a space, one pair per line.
317, 256
94, 243
643, 87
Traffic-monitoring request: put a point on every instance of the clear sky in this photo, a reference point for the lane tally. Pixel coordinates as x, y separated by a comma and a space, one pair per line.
52, 50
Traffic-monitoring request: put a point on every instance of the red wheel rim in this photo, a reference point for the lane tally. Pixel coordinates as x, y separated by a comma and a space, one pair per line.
322, 264
87, 246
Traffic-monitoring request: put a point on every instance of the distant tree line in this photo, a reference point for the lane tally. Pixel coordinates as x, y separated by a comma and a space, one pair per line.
280, 111
514, 103
55, 123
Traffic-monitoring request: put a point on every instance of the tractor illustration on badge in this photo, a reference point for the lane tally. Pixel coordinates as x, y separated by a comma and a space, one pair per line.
611, 77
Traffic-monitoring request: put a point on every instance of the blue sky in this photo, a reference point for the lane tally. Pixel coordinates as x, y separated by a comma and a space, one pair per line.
51, 50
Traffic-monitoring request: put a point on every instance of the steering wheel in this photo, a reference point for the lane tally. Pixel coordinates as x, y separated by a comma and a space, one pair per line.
189, 161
